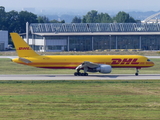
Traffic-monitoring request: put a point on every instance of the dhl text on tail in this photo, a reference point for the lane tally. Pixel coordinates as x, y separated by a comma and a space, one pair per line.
87, 63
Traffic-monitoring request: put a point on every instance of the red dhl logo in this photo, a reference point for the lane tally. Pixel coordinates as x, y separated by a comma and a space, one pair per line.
124, 61
23, 48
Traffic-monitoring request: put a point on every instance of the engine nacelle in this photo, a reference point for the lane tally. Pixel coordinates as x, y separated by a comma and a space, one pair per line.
104, 68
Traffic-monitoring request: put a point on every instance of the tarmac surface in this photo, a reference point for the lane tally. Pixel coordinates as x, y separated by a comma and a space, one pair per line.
72, 77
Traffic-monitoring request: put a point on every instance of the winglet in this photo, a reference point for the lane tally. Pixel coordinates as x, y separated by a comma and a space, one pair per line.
22, 48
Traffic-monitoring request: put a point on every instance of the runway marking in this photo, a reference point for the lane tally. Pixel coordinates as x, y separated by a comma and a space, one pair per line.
72, 77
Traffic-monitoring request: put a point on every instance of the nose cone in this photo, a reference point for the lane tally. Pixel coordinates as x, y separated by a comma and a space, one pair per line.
151, 64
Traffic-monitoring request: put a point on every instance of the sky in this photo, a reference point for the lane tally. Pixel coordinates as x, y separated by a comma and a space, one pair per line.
99, 5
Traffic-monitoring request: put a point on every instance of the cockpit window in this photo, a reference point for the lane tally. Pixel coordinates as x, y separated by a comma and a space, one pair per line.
148, 60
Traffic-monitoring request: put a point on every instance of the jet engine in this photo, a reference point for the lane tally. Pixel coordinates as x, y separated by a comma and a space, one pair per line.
104, 68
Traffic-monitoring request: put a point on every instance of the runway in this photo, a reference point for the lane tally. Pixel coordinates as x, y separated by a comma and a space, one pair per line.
72, 77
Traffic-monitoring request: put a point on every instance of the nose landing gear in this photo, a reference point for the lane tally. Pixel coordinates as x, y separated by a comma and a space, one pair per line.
137, 71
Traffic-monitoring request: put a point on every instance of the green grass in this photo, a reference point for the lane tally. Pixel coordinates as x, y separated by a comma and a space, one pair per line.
8, 67
79, 100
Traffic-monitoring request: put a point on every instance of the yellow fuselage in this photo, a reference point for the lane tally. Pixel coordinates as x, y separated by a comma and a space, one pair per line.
72, 61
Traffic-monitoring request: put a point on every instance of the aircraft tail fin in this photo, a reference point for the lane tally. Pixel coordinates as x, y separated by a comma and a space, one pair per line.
22, 48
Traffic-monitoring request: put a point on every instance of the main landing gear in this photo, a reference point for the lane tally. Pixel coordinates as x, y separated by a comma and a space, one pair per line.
78, 73
137, 71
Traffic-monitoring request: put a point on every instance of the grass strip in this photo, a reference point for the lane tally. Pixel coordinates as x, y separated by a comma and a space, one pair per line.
77, 100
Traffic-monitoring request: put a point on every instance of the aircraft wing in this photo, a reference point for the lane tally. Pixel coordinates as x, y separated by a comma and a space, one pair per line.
93, 67
87, 64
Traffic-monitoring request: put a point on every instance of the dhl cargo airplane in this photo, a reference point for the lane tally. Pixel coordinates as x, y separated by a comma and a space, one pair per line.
87, 63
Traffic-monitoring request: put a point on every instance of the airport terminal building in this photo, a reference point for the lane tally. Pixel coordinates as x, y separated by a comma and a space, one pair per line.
93, 36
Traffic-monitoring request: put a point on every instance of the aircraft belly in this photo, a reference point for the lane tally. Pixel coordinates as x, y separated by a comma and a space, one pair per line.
54, 65
131, 66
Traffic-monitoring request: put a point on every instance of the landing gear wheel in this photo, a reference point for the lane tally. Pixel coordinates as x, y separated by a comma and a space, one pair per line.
75, 74
80, 74
85, 74
136, 74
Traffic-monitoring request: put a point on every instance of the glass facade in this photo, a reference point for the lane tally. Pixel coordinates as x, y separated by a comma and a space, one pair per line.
80, 43
89, 43
128, 42
150, 42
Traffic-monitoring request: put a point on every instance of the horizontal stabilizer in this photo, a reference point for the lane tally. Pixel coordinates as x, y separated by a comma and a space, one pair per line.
24, 60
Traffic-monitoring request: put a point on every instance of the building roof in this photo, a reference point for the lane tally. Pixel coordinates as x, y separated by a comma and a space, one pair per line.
48, 29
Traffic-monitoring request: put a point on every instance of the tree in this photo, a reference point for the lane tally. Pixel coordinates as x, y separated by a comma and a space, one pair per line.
12, 20
105, 18
76, 20
2, 18
56, 21
84, 20
43, 19
24, 17
94, 17
63, 21
91, 17
123, 17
